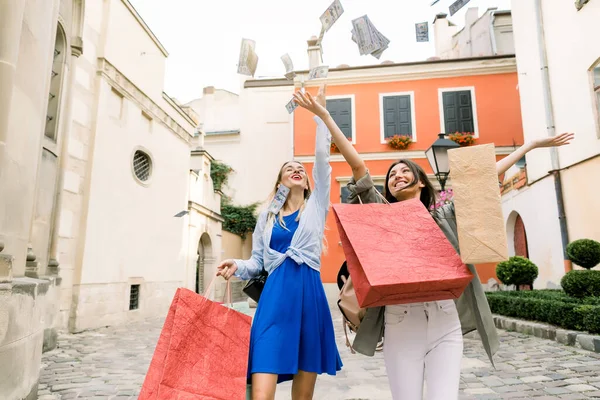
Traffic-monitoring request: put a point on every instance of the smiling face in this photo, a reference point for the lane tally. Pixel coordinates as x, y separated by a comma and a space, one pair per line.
293, 175
402, 183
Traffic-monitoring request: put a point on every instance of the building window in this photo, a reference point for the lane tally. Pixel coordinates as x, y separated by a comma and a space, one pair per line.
115, 106
342, 112
56, 78
134, 297
458, 111
142, 166
345, 192
397, 115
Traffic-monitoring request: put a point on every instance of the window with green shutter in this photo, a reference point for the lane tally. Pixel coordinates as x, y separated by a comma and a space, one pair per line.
397, 116
341, 112
458, 111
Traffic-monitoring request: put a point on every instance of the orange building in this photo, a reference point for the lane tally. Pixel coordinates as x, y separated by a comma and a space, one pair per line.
421, 100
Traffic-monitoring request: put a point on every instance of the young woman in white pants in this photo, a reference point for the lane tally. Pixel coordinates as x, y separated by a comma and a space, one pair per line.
423, 341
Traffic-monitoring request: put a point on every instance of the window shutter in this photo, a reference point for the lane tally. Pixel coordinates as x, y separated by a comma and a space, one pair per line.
458, 111
341, 112
397, 117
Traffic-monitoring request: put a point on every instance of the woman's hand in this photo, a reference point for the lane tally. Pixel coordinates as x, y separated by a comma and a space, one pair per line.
559, 140
555, 141
226, 269
316, 105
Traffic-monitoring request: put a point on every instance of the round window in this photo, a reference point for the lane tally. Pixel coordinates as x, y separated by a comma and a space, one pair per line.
142, 165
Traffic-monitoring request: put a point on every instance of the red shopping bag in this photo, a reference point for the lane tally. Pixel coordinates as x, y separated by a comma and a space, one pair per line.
397, 254
202, 351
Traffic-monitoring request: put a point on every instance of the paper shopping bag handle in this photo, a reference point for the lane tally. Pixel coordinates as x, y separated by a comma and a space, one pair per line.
379, 194
226, 297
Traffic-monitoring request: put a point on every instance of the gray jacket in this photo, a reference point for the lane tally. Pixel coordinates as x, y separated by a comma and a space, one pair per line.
473, 308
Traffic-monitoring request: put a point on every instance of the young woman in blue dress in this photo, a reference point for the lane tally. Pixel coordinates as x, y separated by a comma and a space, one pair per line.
292, 336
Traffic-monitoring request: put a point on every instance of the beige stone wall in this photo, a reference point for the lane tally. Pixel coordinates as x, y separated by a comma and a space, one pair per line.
73, 197
581, 200
97, 305
29, 164
24, 313
232, 246
21, 138
116, 229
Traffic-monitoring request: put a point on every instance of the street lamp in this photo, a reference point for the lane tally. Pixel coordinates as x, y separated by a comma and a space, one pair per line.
437, 155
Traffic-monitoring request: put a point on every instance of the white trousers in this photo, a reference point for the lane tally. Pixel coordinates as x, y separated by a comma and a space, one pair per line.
423, 342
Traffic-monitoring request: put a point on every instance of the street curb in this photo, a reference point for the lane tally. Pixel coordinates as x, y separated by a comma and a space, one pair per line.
549, 332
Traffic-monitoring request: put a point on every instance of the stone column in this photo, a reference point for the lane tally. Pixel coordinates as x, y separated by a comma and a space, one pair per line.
76, 51
11, 22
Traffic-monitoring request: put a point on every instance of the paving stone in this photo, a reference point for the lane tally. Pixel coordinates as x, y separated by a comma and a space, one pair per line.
558, 390
111, 363
536, 378
581, 388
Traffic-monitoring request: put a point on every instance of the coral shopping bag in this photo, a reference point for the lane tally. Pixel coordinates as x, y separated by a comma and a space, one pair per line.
397, 254
202, 351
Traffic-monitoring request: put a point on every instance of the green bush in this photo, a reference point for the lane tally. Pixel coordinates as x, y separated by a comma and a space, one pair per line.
238, 219
584, 252
581, 284
517, 271
551, 294
219, 173
569, 315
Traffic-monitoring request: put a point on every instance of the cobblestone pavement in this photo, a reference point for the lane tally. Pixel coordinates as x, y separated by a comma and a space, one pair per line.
111, 363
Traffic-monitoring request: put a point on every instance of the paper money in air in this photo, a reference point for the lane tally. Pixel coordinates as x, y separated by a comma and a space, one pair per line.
422, 30
318, 72
331, 15
279, 199
289, 66
248, 59
457, 5
369, 39
291, 106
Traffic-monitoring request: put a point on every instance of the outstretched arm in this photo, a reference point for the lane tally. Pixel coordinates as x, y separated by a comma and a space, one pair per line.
322, 168
306, 100
560, 140
247, 269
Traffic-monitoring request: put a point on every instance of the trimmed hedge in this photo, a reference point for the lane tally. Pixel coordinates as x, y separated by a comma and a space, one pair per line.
549, 294
549, 306
584, 252
582, 284
517, 271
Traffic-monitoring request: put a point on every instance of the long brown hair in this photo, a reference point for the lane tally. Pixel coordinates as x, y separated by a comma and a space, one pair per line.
428, 193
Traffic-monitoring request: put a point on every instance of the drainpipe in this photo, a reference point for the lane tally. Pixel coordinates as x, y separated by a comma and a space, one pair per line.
493, 33
550, 128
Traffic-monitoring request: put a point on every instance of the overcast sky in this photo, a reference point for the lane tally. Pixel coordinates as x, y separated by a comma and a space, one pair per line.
203, 37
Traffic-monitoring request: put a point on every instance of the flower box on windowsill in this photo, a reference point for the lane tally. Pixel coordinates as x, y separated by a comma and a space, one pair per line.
399, 142
334, 149
462, 138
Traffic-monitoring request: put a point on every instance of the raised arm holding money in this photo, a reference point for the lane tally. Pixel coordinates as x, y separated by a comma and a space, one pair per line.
292, 336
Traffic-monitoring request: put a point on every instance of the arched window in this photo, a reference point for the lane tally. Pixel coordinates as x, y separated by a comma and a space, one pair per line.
56, 79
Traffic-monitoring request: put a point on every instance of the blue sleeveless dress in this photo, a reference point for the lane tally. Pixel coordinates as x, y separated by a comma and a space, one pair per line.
292, 329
